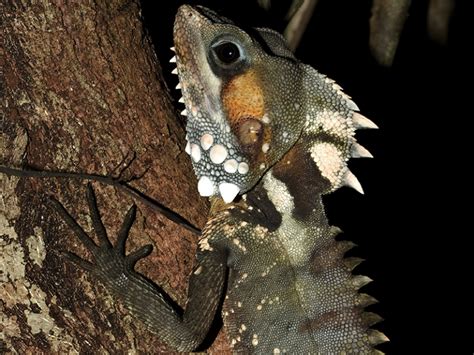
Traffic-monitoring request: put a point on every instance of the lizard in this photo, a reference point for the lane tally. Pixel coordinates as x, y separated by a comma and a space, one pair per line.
268, 136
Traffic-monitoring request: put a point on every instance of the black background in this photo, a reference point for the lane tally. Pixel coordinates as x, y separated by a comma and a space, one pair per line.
412, 223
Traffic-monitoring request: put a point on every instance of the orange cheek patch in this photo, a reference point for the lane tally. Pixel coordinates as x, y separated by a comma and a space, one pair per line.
242, 97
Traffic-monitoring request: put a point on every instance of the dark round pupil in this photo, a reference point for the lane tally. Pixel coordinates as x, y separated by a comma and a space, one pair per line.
227, 52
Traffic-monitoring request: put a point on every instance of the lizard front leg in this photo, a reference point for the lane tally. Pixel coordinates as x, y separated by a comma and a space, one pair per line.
182, 329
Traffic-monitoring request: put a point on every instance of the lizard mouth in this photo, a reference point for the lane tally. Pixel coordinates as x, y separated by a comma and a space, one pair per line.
219, 164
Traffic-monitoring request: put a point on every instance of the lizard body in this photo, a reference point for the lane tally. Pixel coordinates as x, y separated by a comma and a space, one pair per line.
268, 136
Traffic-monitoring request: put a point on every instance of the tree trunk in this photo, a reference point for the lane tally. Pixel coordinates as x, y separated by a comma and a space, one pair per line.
81, 91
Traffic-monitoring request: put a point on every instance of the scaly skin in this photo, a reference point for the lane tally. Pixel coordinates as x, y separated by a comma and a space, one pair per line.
268, 136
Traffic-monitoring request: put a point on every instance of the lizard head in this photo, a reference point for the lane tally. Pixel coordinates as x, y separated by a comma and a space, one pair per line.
248, 101
236, 127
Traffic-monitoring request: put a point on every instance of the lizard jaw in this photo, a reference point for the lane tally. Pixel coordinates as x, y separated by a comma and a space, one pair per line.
219, 166
210, 159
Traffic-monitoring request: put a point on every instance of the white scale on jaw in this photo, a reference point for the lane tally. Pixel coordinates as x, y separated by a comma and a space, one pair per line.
206, 141
227, 190
218, 155
195, 152
231, 166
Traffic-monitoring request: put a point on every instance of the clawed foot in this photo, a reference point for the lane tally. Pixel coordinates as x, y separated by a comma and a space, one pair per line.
110, 262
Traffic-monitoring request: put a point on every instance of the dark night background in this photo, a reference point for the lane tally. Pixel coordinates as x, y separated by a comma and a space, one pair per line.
409, 226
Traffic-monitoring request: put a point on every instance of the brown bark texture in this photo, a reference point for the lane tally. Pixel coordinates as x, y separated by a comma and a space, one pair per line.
81, 91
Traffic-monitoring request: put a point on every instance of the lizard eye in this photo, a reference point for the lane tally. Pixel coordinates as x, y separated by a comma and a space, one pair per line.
227, 56
227, 52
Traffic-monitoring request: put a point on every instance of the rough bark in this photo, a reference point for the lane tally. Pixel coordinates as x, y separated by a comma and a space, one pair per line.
81, 91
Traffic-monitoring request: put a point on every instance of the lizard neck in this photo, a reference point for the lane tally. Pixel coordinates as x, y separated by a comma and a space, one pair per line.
295, 185
290, 192
292, 188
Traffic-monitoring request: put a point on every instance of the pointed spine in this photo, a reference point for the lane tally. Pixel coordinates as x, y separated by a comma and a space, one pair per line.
376, 337
362, 122
352, 105
350, 180
346, 245
365, 300
335, 231
358, 151
352, 262
360, 281
370, 318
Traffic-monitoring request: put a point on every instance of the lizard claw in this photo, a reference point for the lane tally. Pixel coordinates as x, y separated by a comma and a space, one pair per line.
109, 261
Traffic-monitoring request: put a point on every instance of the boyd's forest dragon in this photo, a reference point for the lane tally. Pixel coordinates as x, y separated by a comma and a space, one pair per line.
268, 136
